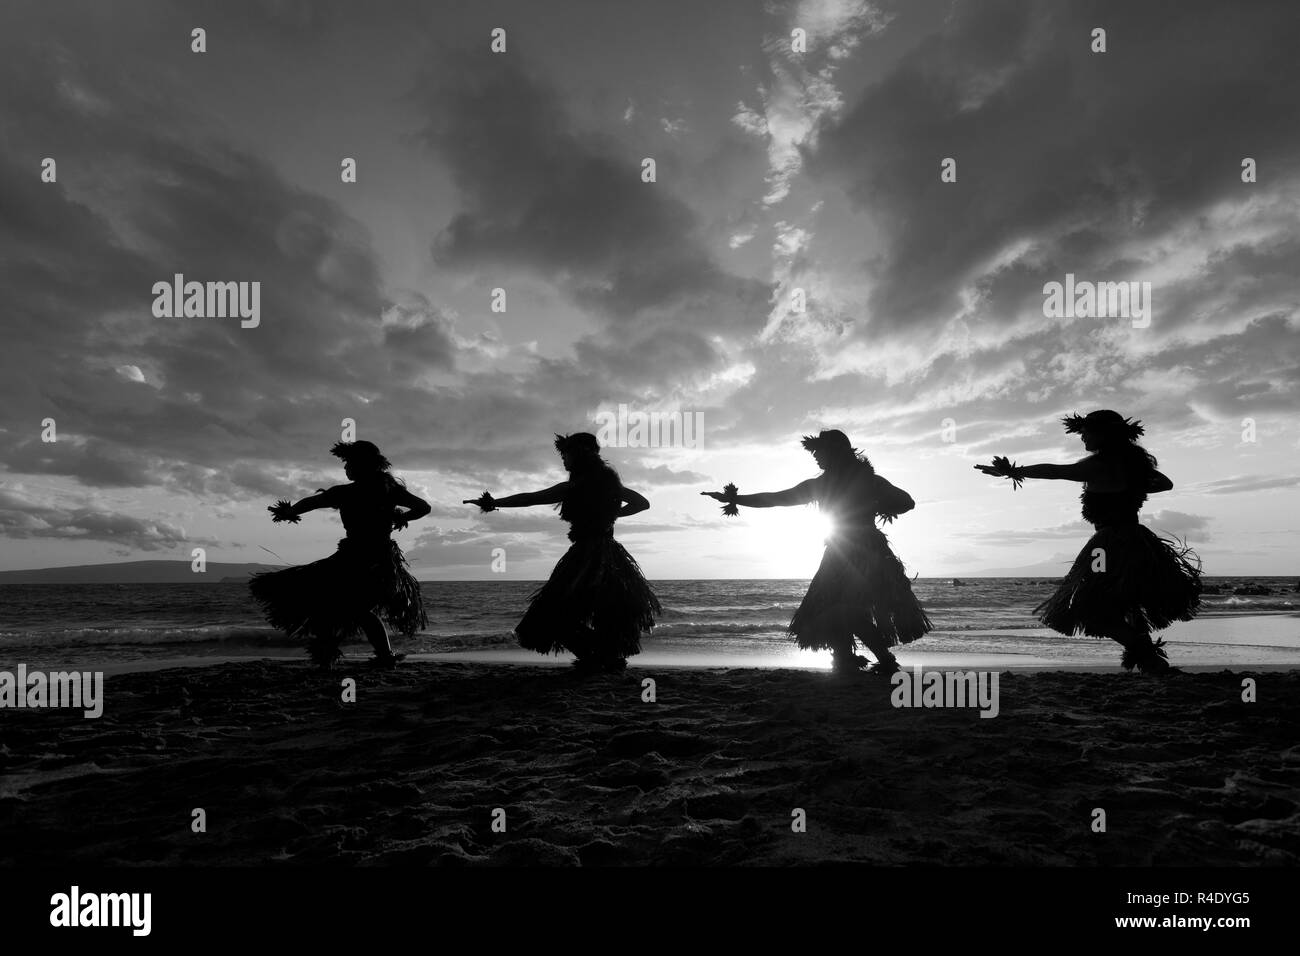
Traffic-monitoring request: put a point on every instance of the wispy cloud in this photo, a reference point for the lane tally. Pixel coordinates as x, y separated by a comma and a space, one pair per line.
24, 517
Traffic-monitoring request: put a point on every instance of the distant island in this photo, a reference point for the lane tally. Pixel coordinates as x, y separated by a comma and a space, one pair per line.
1045, 569
137, 572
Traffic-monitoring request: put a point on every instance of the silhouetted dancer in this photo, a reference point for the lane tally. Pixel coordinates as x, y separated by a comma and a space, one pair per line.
367, 576
596, 603
1127, 581
860, 589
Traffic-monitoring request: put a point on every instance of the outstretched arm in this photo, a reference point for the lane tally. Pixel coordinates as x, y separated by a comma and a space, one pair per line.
632, 503
800, 494
549, 496
1086, 469
282, 510
1079, 471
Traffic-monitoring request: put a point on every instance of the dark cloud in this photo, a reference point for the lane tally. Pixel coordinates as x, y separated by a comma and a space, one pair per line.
473, 549
1077, 155
95, 463
1180, 524
224, 409
569, 205
280, 20
20, 518
420, 338
1067, 162
141, 196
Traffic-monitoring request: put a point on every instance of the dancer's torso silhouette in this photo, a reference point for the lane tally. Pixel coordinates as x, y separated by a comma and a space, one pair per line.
860, 589
1126, 581
596, 604
365, 578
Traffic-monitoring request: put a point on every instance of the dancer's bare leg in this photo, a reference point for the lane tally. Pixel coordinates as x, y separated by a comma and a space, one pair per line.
1140, 651
377, 634
846, 660
838, 632
886, 662
843, 659
582, 644
323, 650
595, 647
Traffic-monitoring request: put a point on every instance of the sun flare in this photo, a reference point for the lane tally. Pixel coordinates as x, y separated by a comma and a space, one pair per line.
797, 537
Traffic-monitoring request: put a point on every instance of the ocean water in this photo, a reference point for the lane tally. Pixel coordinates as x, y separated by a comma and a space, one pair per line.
720, 621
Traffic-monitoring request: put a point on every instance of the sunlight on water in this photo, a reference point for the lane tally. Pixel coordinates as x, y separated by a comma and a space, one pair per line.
734, 623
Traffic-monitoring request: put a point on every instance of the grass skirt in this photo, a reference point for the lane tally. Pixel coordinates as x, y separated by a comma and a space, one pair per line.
862, 589
1148, 582
326, 600
595, 603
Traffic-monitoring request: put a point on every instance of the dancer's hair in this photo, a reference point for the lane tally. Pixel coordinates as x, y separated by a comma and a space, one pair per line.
837, 443
366, 455
1117, 441
594, 485
851, 467
363, 453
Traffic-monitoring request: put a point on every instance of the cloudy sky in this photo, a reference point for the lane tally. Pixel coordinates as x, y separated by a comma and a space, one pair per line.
923, 337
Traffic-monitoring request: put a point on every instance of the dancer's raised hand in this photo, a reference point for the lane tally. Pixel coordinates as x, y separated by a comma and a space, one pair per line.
1002, 468
728, 498
283, 511
484, 502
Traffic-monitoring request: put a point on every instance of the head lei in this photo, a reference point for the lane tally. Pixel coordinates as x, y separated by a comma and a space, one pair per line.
832, 440
1104, 421
835, 442
577, 445
363, 453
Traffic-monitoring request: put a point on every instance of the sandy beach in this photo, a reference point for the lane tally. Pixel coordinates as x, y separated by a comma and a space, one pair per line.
711, 772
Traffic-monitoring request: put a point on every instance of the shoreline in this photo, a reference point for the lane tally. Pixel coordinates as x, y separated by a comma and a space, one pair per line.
507, 659
1258, 642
